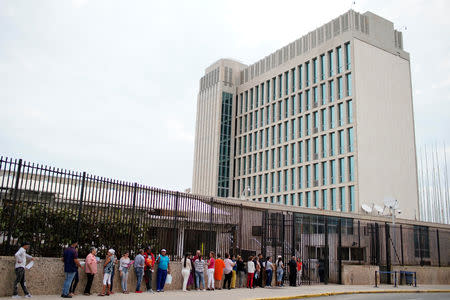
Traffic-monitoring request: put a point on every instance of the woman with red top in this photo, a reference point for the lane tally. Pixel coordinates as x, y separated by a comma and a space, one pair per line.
210, 272
218, 270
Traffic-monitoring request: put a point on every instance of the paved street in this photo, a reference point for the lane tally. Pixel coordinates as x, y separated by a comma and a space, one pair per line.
406, 296
259, 293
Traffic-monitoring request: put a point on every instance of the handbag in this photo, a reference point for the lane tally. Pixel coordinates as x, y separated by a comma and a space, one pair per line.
169, 279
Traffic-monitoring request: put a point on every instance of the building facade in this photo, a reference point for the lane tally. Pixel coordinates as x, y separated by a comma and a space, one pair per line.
325, 122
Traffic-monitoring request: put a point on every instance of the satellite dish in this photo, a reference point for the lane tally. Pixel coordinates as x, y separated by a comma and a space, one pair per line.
378, 208
391, 202
366, 208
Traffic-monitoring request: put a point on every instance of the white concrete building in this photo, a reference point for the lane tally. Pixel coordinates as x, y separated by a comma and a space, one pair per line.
325, 122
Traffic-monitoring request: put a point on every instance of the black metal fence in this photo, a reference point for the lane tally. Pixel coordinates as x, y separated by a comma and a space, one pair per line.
50, 207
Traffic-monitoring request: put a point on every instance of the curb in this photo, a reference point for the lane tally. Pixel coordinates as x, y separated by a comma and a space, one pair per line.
351, 293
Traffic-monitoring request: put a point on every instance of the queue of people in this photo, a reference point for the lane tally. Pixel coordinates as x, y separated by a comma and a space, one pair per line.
256, 272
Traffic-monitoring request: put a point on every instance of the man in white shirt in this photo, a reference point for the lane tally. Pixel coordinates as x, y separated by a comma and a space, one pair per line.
21, 261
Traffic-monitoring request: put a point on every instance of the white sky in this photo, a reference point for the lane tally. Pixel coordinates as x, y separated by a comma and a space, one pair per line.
110, 87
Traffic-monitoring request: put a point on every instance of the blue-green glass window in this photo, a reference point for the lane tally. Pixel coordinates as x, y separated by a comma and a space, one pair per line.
267, 160
280, 85
246, 101
324, 119
351, 191
330, 63
274, 112
316, 147
260, 161
257, 95
332, 144
300, 177
324, 199
300, 127
254, 185
316, 198
245, 144
300, 152
266, 181
294, 105
349, 84
324, 146
293, 79
341, 170
342, 196
293, 127
286, 82
316, 120
286, 155
293, 146
300, 199
323, 92
293, 199
240, 124
256, 119
285, 199
308, 100
280, 110
251, 98
308, 199
260, 184
250, 119
349, 112
238, 167
331, 90
268, 115
241, 106
268, 91
316, 96
267, 137
316, 174
280, 156
341, 114
300, 77
339, 59
333, 171
341, 142
285, 178
274, 92
286, 107
273, 182
324, 173
322, 67
280, 132
308, 176
300, 102
351, 168
314, 70
274, 160
333, 199
348, 59
350, 139
279, 180
308, 150
308, 123
307, 73
262, 93
286, 131
332, 117
244, 165
340, 88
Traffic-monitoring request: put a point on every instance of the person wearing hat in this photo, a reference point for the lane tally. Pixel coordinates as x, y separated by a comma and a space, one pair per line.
21, 260
107, 270
163, 269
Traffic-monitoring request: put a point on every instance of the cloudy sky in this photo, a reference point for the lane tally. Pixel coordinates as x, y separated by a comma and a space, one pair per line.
109, 87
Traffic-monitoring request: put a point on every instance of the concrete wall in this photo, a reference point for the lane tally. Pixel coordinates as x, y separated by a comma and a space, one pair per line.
359, 274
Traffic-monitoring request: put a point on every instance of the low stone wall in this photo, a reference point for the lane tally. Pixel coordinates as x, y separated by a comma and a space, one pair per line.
427, 274
359, 274
46, 277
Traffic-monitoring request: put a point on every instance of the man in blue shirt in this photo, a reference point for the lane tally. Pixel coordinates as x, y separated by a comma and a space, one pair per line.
163, 270
71, 265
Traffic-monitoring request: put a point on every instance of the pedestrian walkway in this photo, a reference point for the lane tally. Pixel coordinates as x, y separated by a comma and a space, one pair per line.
259, 293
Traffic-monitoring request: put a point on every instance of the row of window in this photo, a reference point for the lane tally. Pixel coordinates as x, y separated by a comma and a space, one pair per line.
295, 128
309, 73
337, 199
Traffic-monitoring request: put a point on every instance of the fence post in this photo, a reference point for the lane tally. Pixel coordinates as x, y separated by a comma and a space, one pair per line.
11, 218
283, 222
264, 234
175, 225
132, 217
438, 247
211, 200
241, 216
401, 243
388, 251
339, 251
293, 235
80, 207
326, 258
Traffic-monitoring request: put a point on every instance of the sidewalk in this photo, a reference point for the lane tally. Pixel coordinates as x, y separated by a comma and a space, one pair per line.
258, 293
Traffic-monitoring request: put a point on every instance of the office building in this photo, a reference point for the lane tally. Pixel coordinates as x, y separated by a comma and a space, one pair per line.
325, 122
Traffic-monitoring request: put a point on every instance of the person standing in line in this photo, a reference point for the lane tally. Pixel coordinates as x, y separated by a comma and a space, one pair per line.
107, 270
262, 273
292, 271
269, 271
240, 269
139, 263
233, 273
280, 271
90, 267
257, 276
210, 272
197, 254
163, 269
148, 269
124, 266
114, 259
229, 264
71, 265
199, 265
218, 270
75, 280
299, 271
186, 269
19, 268
250, 272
